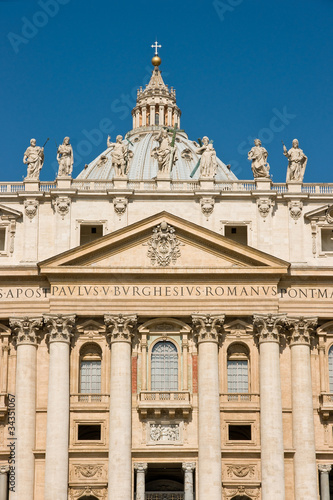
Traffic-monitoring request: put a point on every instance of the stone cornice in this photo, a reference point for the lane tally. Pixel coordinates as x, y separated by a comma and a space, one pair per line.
25, 330
60, 327
119, 328
268, 326
301, 329
207, 327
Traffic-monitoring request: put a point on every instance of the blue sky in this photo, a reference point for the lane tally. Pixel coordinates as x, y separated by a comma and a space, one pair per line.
241, 69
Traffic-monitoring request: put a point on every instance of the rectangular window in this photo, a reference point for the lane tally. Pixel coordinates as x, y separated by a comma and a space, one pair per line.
240, 433
327, 240
89, 433
236, 233
90, 232
2, 239
90, 377
238, 377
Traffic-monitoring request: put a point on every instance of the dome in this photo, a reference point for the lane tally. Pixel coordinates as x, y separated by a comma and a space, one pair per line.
156, 109
142, 165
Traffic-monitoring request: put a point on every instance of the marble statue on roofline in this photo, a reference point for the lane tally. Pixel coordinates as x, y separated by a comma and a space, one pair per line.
34, 158
208, 162
258, 156
65, 158
296, 162
119, 155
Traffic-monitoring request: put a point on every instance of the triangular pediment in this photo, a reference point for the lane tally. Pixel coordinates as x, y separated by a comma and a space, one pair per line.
322, 213
163, 243
9, 213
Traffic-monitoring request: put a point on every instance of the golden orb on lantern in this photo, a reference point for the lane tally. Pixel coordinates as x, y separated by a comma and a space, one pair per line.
156, 60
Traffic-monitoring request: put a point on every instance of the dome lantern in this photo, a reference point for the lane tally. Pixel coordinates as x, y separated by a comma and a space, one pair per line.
156, 104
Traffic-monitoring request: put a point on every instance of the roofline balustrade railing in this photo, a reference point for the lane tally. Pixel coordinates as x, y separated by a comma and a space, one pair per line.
233, 186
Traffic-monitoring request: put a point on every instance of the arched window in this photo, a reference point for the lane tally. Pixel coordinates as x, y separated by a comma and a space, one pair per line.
330, 367
90, 369
238, 377
157, 118
164, 367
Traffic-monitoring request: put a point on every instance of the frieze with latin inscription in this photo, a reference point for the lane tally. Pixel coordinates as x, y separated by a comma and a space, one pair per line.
164, 291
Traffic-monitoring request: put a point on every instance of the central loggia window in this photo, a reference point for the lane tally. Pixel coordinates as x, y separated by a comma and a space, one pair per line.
90, 369
238, 377
164, 367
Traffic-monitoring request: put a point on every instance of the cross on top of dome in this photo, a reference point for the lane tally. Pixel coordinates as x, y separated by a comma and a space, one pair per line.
156, 47
156, 60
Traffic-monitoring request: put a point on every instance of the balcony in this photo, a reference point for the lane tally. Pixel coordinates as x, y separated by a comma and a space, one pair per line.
237, 400
169, 495
164, 402
326, 405
91, 401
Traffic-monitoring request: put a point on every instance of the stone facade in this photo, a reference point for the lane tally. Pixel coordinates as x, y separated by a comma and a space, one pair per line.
165, 338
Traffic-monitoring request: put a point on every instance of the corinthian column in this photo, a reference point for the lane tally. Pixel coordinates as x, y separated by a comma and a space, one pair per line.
56, 461
271, 431
305, 470
119, 330
141, 469
207, 332
25, 331
188, 468
324, 481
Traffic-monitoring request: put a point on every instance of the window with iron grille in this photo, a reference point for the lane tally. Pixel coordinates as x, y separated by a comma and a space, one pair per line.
164, 367
90, 377
238, 376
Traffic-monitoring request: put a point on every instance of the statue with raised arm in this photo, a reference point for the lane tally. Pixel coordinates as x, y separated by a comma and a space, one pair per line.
208, 163
65, 158
258, 155
296, 162
119, 155
34, 158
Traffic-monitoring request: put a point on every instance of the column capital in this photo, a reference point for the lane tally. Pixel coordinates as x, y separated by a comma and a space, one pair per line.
141, 467
207, 327
60, 327
25, 330
188, 466
300, 329
325, 468
268, 326
4, 469
119, 327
